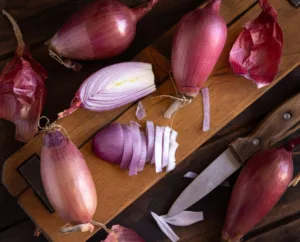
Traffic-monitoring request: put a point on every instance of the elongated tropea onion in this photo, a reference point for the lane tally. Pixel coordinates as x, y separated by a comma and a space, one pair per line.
101, 30
197, 45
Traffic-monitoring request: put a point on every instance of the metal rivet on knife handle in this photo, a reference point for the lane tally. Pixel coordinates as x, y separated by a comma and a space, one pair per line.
287, 116
295, 3
255, 141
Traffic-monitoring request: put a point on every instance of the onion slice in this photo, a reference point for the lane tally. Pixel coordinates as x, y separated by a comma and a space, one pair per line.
108, 143
150, 132
185, 218
172, 157
143, 152
127, 153
136, 139
140, 111
206, 109
166, 146
158, 148
174, 135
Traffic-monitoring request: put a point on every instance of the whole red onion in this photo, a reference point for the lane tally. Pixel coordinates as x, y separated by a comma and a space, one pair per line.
261, 183
103, 29
67, 180
198, 43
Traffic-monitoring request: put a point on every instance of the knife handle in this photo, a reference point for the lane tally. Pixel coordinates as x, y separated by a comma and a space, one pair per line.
280, 123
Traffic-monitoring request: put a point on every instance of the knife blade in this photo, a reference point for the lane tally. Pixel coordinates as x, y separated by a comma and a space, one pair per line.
277, 124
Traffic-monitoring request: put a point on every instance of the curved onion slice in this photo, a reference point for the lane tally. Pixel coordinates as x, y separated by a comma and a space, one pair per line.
136, 139
158, 148
127, 153
108, 143
143, 152
166, 146
206, 109
150, 140
172, 157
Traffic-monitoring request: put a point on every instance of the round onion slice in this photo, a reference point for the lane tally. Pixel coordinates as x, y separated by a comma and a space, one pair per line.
136, 140
166, 146
143, 152
158, 148
108, 143
150, 140
127, 153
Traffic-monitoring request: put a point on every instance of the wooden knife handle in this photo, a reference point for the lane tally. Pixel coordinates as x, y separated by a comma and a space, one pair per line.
280, 123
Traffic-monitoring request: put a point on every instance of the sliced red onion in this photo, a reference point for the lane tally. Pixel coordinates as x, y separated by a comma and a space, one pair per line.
114, 86
136, 139
174, 135
206, 109
108, 143
158, 148
143, 152
150, 132
185, 218
140, 111
172, 157
166, 229
166, 146
191, 175
127, 153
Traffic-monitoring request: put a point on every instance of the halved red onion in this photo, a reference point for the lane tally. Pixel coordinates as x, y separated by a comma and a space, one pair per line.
136, 139
158, 148
172, 156
143, 152
127, 153
166, 146
108, 143
206, 109
150, 132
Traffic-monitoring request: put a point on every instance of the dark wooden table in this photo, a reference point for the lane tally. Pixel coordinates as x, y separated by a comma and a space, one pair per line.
38, 21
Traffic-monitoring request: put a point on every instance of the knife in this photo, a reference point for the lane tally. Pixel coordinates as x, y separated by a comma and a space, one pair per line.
276, 125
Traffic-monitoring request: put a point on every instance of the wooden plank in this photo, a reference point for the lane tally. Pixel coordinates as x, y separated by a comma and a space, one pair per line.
123, 190
10, 211
229, 11
58, 74
21, 233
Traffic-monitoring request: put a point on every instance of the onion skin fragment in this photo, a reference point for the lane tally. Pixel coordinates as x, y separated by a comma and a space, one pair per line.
261, 183
67, 180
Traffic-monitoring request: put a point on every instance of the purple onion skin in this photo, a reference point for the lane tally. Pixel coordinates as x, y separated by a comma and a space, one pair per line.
67, 180
108, 143
199, 40
261, 183
103, 29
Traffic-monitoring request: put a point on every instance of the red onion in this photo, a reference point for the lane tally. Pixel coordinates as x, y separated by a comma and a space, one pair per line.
166, 146
159, 131
261, 183
150, 130
22, 89
103, 29
67, 180
108, 143
121, 234
128, 147
136, 137
143, 152
197, 45
206, 109
256, 53
113, 86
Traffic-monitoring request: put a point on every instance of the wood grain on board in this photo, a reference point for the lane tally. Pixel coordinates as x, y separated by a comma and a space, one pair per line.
92, 121
115, 189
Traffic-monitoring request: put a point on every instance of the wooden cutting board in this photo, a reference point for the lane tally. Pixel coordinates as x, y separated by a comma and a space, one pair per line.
229, 96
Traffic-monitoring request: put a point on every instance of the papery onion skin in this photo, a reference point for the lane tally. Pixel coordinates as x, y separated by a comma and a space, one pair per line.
197, 45
108, 143
22, 89
261, 183
256, 54
67, 180
103, 29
